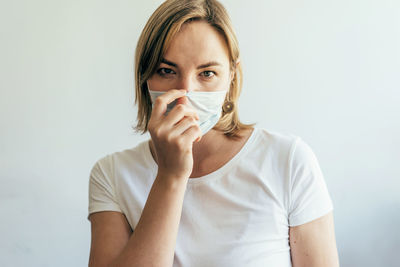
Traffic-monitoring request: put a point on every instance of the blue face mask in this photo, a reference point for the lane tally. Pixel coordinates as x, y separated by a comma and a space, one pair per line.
208, 106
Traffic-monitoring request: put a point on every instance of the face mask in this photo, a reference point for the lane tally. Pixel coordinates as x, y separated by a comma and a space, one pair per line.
208, 106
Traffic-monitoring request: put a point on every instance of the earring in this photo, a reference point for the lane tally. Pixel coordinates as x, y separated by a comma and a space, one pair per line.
228, 107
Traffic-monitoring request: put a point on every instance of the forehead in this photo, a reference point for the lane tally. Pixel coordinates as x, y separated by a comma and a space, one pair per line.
196, 42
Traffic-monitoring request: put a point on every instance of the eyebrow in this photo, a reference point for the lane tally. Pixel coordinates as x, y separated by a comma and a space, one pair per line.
202, 66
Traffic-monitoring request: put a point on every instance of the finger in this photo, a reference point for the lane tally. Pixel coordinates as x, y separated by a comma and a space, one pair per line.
183, 125
182, 100
178, 113
192, 134
161, 102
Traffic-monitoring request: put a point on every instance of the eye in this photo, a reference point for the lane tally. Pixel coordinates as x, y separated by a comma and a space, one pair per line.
165, 71
208, 73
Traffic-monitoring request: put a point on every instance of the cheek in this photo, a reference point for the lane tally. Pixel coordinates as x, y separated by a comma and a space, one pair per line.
157, 85
221, 83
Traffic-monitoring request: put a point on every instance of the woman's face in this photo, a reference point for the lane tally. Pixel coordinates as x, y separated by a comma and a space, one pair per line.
197, 60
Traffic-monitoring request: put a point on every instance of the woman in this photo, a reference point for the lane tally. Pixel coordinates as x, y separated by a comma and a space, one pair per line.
205, 190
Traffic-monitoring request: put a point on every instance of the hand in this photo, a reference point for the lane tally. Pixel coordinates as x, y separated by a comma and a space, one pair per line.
173, 135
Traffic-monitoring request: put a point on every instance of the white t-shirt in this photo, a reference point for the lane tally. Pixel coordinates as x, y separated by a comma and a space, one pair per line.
238, 215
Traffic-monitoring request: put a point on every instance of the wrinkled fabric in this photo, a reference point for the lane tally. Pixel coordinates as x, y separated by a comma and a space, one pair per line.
236, 216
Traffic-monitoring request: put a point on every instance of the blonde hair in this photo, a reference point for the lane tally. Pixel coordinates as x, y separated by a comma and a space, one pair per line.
155, 39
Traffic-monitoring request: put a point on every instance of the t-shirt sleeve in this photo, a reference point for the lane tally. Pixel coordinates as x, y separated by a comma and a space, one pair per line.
308, 195
102, 195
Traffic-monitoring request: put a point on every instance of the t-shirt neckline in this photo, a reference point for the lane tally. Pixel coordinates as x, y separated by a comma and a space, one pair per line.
213, 175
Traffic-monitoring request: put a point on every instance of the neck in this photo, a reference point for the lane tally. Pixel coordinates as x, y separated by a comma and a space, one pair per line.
208, 145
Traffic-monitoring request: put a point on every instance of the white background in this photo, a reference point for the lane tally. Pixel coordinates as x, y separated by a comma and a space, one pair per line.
328, 71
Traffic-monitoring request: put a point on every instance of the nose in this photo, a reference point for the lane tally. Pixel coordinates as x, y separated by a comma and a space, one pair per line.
186, 81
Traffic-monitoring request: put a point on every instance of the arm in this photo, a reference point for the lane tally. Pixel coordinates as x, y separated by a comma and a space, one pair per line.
110, 233
153, 241
313, 244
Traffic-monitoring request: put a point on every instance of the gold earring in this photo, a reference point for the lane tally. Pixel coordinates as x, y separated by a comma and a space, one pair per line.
228, 107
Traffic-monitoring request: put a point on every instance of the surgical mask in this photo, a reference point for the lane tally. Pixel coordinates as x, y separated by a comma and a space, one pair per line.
208, 106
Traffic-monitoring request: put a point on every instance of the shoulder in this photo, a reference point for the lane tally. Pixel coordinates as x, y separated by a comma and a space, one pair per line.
303, 157
283, 150
293, 145
275, 142
270, 151
278, 137
109, 162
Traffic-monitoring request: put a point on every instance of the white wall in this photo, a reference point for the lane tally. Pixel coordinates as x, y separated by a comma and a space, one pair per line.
327, 71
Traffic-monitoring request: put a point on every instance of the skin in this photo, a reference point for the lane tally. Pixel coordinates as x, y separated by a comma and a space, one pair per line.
313, 244
197, 59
